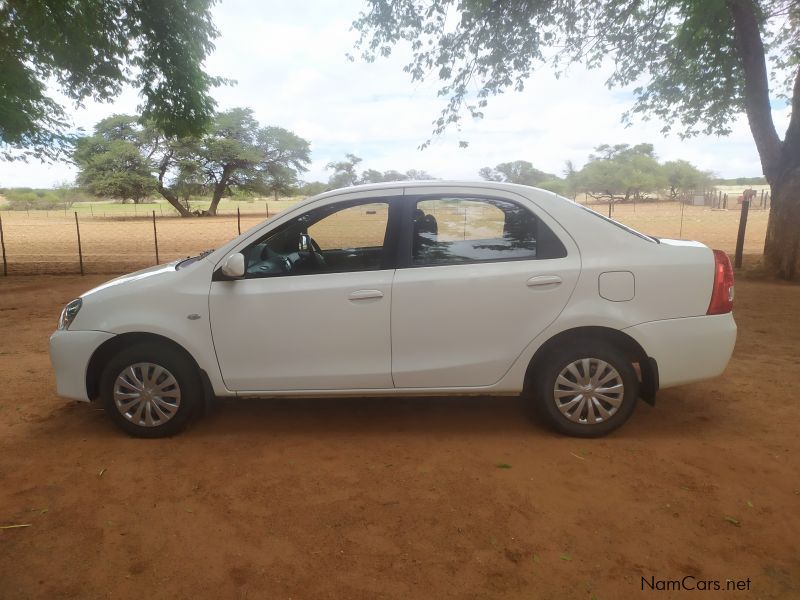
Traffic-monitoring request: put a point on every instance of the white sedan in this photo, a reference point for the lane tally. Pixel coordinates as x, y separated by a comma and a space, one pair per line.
425, 288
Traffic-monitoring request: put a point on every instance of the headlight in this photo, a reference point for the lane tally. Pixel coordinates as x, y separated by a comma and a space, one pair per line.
69, 313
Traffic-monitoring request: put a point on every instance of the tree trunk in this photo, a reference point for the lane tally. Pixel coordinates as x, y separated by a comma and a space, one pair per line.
168, 194
780, 161
219, 189
782, 246
170, 197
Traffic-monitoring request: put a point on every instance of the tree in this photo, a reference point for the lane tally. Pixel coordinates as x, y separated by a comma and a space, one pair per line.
91, 49
128, 160
621, 173
110, 163
696, 64
519, 171
682, 176
344, 172
117, 172
237, 153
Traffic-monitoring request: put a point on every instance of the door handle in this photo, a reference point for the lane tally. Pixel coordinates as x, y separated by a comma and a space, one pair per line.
544, 281
365, 295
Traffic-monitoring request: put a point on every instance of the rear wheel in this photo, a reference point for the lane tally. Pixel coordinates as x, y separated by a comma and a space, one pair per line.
587, 389
150, 390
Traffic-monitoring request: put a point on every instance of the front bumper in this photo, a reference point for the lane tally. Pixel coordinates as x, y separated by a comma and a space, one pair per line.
70, 353
689, 349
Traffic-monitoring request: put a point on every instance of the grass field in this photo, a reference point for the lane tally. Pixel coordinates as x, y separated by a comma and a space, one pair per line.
47, 243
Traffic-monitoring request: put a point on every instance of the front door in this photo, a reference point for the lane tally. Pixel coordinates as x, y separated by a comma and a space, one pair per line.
313, 310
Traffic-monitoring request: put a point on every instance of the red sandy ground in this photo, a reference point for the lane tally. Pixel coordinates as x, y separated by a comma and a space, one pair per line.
401, 498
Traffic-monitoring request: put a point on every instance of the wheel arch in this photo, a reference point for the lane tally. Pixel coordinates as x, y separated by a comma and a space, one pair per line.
109, 348
647, 371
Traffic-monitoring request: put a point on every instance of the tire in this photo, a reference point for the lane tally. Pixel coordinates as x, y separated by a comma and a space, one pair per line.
561, 380
158, 381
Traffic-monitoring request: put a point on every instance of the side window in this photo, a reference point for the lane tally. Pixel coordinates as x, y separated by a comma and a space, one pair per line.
336, 238
465, 230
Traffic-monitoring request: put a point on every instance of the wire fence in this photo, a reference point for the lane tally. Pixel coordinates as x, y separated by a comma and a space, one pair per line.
48, 242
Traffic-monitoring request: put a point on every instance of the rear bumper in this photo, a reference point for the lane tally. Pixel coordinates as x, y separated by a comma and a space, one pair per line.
70, 352
687, 350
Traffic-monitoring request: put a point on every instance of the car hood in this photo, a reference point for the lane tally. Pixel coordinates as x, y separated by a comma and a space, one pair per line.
157, 271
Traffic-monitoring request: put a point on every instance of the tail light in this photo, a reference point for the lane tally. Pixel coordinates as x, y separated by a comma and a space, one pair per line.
722, 292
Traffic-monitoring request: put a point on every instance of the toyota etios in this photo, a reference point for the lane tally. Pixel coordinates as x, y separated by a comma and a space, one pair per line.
425, 288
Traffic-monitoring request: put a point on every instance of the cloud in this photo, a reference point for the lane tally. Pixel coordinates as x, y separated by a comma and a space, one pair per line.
289, 61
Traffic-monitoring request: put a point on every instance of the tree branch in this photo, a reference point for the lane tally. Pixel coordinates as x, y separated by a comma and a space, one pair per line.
750, 48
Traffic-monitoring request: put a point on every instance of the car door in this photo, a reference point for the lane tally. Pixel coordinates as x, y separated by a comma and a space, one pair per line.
313, 309
480, 276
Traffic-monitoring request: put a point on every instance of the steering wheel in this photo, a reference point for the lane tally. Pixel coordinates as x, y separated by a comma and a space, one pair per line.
316, 251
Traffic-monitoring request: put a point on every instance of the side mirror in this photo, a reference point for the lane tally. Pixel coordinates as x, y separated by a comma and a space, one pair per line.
304, 245
233, 266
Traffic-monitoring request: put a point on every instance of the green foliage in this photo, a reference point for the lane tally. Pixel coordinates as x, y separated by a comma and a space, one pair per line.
110, 162
238, 153
740, 181
519, 171
683, 176
311, 188
91, 49
60, 197
621, 172
681, 54
345, 174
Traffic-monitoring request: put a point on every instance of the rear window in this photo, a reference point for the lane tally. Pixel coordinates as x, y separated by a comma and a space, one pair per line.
649, 238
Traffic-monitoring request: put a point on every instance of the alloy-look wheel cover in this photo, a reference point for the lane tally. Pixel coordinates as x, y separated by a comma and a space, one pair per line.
588, 391
147, 394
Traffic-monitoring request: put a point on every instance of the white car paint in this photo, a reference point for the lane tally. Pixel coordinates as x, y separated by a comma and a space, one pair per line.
467, 328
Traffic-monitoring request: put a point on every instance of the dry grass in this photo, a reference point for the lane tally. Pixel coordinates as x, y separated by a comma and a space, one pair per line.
48, 244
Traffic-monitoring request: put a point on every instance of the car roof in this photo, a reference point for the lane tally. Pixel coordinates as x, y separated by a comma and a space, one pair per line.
524, 190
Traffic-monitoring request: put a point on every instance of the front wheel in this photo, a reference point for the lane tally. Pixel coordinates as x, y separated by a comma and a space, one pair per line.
587, 389
150, 390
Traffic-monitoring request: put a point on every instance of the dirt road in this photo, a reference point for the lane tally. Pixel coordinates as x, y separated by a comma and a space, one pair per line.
390, 498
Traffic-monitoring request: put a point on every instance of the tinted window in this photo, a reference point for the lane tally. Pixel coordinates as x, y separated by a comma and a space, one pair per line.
465, 230
331, 239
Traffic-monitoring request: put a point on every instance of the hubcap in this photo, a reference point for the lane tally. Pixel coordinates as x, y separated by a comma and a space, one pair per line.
147, 394
588, 391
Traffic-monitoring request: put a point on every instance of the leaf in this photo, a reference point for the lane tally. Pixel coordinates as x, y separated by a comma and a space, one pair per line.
565, 557
15, 526
503, 466
733, 521
535, 558
576, 456
749, 504
103, 470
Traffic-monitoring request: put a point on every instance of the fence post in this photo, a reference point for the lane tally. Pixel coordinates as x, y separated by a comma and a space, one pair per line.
740, 235
680, 235
80, 250
266, 209
3, 246
239, 220
725, 202
155, 236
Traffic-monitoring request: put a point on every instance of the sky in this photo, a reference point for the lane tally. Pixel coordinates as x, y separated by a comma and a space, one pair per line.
289, 61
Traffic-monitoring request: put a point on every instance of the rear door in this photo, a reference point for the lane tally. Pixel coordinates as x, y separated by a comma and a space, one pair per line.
480, 277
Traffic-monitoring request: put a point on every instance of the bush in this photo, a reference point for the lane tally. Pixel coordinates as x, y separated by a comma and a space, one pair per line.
42, 199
